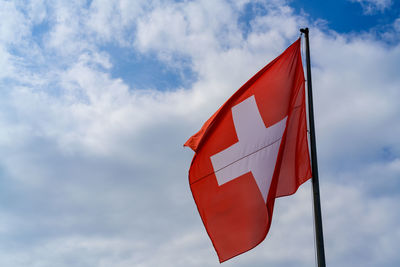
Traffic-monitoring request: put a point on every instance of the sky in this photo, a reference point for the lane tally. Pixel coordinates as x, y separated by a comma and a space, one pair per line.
97, 98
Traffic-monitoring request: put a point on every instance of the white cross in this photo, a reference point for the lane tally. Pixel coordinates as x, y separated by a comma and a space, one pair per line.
255, 152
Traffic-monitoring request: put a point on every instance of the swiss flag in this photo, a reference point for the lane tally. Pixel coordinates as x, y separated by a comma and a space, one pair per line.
251, 151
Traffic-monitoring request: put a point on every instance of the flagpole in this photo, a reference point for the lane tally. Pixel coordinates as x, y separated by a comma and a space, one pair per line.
314, 166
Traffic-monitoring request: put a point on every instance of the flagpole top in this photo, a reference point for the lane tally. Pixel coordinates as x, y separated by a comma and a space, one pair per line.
304, 30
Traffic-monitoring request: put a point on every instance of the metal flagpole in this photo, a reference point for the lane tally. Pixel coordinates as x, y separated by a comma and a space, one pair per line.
314, 166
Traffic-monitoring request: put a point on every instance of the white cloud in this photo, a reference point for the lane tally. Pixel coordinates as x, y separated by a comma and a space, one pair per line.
112, 21
373, 6
93, 172
36, 10
14, 26
188, 29
354, 97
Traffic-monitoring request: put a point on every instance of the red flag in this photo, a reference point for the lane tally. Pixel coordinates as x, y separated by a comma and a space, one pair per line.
251, 151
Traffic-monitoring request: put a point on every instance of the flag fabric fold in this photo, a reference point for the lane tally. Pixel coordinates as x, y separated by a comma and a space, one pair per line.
253, 149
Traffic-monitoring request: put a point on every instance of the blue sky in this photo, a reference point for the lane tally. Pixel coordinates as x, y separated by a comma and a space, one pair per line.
351, 16
97, 98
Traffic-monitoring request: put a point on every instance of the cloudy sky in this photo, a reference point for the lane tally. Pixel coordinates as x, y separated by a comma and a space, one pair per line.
97, 98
